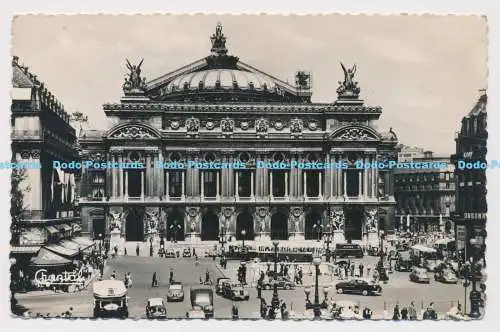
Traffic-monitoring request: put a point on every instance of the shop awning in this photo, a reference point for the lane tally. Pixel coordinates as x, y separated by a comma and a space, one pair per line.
70, 245
52, 229
83, 241
60, 250
65, 228
25, 249
48, 258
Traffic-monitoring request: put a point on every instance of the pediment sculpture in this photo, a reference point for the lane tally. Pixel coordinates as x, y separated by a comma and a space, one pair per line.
355, 134
133, 80
133, 132
117, 219
371, 220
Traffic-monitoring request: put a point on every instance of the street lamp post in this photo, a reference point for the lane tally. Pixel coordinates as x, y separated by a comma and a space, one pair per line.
380, 265
316, 306
318, 229
222, 238
243, 233
328, 240
275, 302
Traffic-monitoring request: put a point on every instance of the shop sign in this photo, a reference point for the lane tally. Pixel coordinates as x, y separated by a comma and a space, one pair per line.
42, 278
461, 237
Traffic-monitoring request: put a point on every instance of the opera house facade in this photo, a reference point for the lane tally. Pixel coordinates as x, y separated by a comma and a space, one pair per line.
221, 111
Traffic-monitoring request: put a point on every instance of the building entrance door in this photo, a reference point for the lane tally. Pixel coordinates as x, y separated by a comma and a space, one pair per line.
210, 226
134, 183
175, 226
244, 221
134, 227
98, 228
279, 227
354, 221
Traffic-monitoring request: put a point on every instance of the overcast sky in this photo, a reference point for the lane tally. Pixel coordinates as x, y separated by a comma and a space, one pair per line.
425, 71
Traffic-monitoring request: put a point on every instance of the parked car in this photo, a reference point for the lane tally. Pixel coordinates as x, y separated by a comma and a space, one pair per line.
446, 276
219, 283
419, 274
170, 253
196, 313
156, 309
432, 264
282, 283
186, 252
175, 292
403, 262
359, 286
234, 290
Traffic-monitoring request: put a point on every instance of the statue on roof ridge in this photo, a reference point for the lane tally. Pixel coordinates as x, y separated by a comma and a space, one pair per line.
349, 88
218, 41
134, 80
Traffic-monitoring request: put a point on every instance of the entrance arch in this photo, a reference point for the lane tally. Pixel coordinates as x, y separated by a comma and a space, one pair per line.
310, 231
209, 226
134, 227
175, 226
279, 226
244, 221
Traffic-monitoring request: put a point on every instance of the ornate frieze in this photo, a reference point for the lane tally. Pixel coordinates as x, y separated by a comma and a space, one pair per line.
371, 222
337, 219
313, 125
278, 124
192, 126
209, 124
193, 219
227, 126
297, 218
355, 134
296, 127
245, 124
261, 127
134, 132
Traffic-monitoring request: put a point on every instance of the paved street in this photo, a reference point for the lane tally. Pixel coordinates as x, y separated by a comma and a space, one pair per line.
399, 289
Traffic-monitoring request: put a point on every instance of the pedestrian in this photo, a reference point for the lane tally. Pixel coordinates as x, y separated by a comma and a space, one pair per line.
404, 313
171, 276
259, 288
412, 311
346, 270
125, 251
368, 270
154, 282
137, 249
194, 252
352, 270
115, 248
207, 277
235, 311
361, 268
113, 275
396, 315
151, 250
367, 313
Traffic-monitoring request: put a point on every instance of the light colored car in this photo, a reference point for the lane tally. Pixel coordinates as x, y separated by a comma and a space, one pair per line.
419, 274
175, 292
196, 313
446, 276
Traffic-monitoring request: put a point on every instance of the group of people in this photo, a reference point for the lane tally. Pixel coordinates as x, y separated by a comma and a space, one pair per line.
270, 311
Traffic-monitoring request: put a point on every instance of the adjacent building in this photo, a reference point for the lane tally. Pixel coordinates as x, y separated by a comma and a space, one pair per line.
471, 140
425, 198
212, 116
41, 133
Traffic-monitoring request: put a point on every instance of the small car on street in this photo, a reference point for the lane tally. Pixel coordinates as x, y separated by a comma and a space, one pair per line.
156, 308
282, 283
186, 252
446, 276
219, 283
196, 313
359, 286
170, 253
420, 275
175, 292
403, 262
233, 290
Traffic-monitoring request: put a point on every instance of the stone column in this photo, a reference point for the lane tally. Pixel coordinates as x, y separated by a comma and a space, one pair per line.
286, 183
293, 179
251, 183
202, 184
305, 183
271, 184
231, 189
119, 187
365, 179
167, 183
237, 183
360, 184
161, 175
344, 175
320, 193
148, 176
142, 184
125, 192
108, 179
217, 186
183, 186
114, 189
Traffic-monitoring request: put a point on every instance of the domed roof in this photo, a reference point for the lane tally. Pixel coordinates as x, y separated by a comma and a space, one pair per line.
221, 79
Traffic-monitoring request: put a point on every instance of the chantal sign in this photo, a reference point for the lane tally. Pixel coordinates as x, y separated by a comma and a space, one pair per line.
64, 278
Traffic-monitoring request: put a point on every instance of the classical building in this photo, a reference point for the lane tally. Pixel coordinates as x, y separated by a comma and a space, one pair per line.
425, 198
471, 140
221, 110
41, 133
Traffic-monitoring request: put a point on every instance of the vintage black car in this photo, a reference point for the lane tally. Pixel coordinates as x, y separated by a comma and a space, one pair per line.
186, 252
175, 292
404, 262
219, 283
233, 290
156, 309
281, 282
203, 297
358, 286
170, 253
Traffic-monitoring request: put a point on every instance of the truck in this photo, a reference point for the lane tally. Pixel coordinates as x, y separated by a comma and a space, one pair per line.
110, 299
203, 298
